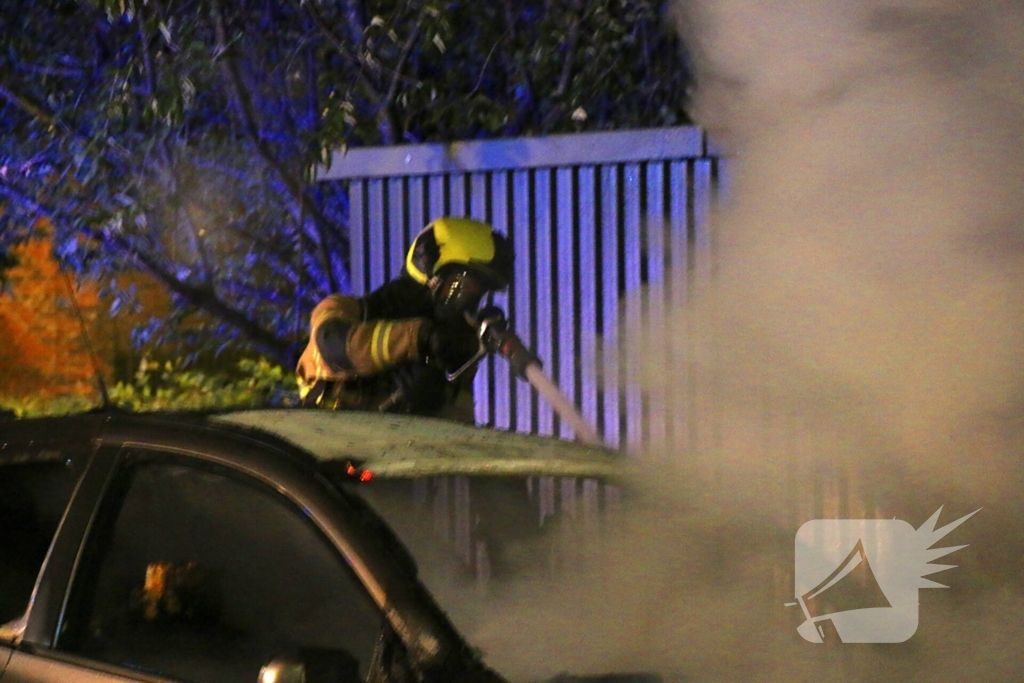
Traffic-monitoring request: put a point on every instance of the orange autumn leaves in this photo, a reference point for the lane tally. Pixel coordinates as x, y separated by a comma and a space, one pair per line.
42, 348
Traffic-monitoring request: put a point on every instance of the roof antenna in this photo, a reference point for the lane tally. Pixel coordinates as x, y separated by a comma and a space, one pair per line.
104, 396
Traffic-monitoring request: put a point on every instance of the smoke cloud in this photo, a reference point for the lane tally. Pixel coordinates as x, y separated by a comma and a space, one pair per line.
856, 352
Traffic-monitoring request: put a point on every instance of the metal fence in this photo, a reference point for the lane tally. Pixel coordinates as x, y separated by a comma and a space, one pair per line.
592, 216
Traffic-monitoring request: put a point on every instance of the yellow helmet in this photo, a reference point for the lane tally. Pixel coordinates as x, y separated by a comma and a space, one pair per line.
472, 245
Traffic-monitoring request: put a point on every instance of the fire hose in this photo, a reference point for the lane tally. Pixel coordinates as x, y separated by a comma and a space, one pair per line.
496, 337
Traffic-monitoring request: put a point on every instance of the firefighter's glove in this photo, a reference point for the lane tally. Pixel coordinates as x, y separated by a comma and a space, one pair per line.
493, 326
448, 344
503, 341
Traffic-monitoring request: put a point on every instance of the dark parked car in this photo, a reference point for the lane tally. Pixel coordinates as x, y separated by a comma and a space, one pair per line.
234, 547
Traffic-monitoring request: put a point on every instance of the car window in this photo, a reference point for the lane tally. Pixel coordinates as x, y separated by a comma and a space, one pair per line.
35, 488
201, 576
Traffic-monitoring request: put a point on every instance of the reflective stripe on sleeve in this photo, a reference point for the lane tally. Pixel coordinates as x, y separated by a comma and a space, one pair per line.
374, 341
386, 343
379, 344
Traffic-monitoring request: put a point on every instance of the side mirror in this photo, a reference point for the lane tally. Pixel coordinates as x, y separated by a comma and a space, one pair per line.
284, 669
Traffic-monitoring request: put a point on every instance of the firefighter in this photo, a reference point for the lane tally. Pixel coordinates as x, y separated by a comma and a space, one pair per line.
394, 349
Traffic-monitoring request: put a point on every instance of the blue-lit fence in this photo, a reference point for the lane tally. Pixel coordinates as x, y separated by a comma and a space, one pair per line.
592, 216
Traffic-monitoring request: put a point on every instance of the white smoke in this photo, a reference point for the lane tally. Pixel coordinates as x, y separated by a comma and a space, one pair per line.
862, 338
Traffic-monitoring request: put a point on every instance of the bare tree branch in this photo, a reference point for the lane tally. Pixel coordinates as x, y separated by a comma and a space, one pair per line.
403, 57
62, 72
30, 108
202, 297
570, 50
49, 118
327, 33
483, 69
247, 113
385, 115
526, 105
167, 154
381, 103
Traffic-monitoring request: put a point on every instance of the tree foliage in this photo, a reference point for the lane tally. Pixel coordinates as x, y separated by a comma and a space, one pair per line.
169, 386
178, 136
42, 342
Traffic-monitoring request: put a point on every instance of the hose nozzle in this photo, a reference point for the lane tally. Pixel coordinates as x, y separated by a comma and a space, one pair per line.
498, 338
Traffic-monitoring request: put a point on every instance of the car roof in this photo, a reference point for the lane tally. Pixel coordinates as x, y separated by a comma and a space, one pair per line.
402, 446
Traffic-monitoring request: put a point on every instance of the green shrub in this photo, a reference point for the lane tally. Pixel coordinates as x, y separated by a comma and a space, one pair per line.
254, 383
46, 405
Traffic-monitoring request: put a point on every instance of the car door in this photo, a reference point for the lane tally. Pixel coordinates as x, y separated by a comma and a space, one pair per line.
38, 475
197, 571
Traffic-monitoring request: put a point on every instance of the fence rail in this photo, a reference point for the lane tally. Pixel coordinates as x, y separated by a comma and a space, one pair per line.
554, 151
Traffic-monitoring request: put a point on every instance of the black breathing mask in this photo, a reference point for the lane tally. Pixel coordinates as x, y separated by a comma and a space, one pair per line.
457, 291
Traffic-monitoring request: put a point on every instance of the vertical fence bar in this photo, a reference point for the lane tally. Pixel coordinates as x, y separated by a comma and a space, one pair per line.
437, 201
631, 247
567, 302
546, 324
462, 521
591, 502
479, 197
678, 240
546, 497
654, 223
500, 372
396, 226
479, 201
655, 227
457, 199
483, 565
678, 398
545, 332
568, 491
522, 303
610, 207
417, 207
706, 412
702, 201
589, 273
357, 236
442, 508
375, 229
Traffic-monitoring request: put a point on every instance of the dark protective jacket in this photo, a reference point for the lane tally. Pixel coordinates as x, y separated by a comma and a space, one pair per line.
381, 367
